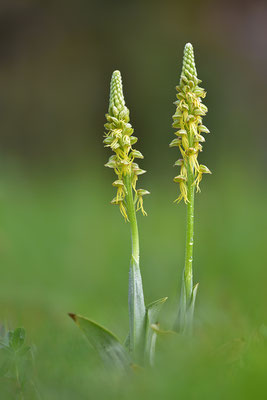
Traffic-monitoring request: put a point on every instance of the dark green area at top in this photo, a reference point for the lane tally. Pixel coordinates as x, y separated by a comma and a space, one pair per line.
57, 59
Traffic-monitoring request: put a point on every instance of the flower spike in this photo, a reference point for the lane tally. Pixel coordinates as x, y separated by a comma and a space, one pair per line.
119, 138
188, 122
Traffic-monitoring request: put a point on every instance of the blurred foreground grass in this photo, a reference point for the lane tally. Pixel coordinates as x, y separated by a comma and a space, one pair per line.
64, 248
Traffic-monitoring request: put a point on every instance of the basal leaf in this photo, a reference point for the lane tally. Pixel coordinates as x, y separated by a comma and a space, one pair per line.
137, 311
191, 308
158, 331
184, 322
126, 342
152, 313
111, 351
180, 322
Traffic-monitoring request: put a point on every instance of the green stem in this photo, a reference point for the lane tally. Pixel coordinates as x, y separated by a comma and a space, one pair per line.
137, 310
188, 269
132, 218
184, 323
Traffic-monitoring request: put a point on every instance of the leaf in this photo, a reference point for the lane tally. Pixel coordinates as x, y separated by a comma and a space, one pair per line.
137, 311
152, 313
105, 343
191, 308
16, 338
126, 342
184, 322
181, 318
158, 331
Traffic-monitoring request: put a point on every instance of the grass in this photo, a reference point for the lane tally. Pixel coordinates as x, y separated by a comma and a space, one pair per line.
55, 258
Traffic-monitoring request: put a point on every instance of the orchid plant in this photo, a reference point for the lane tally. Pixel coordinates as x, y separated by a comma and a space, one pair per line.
139, 346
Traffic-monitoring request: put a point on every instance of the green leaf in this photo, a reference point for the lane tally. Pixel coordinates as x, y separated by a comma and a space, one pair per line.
137, 311
184, 322
152, 313
191, 308
126, 342
105, 343
180, 322
158, 331
16, 338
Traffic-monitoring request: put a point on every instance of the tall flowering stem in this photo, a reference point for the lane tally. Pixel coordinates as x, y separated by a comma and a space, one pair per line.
119, 137
188, 122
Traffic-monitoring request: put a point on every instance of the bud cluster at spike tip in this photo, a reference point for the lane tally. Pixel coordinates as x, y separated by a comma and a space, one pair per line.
188, 122
119, 137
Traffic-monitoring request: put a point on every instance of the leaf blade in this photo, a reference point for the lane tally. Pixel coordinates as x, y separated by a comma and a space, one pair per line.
105, 342
191, 309
137, 311
152, 313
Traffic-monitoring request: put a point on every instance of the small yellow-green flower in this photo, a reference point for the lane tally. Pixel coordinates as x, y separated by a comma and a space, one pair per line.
188, 122
119, 137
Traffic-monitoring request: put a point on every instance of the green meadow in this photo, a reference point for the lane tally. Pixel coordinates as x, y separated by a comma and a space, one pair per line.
64, 248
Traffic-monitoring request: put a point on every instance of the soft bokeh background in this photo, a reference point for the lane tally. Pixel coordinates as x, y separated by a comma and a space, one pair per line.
64, 248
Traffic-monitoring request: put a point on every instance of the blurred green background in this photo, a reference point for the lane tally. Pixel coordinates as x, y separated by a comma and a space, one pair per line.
64, 248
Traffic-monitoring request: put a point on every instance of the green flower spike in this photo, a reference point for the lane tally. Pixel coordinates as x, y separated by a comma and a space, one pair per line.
139, 346
119, 137
187, 121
